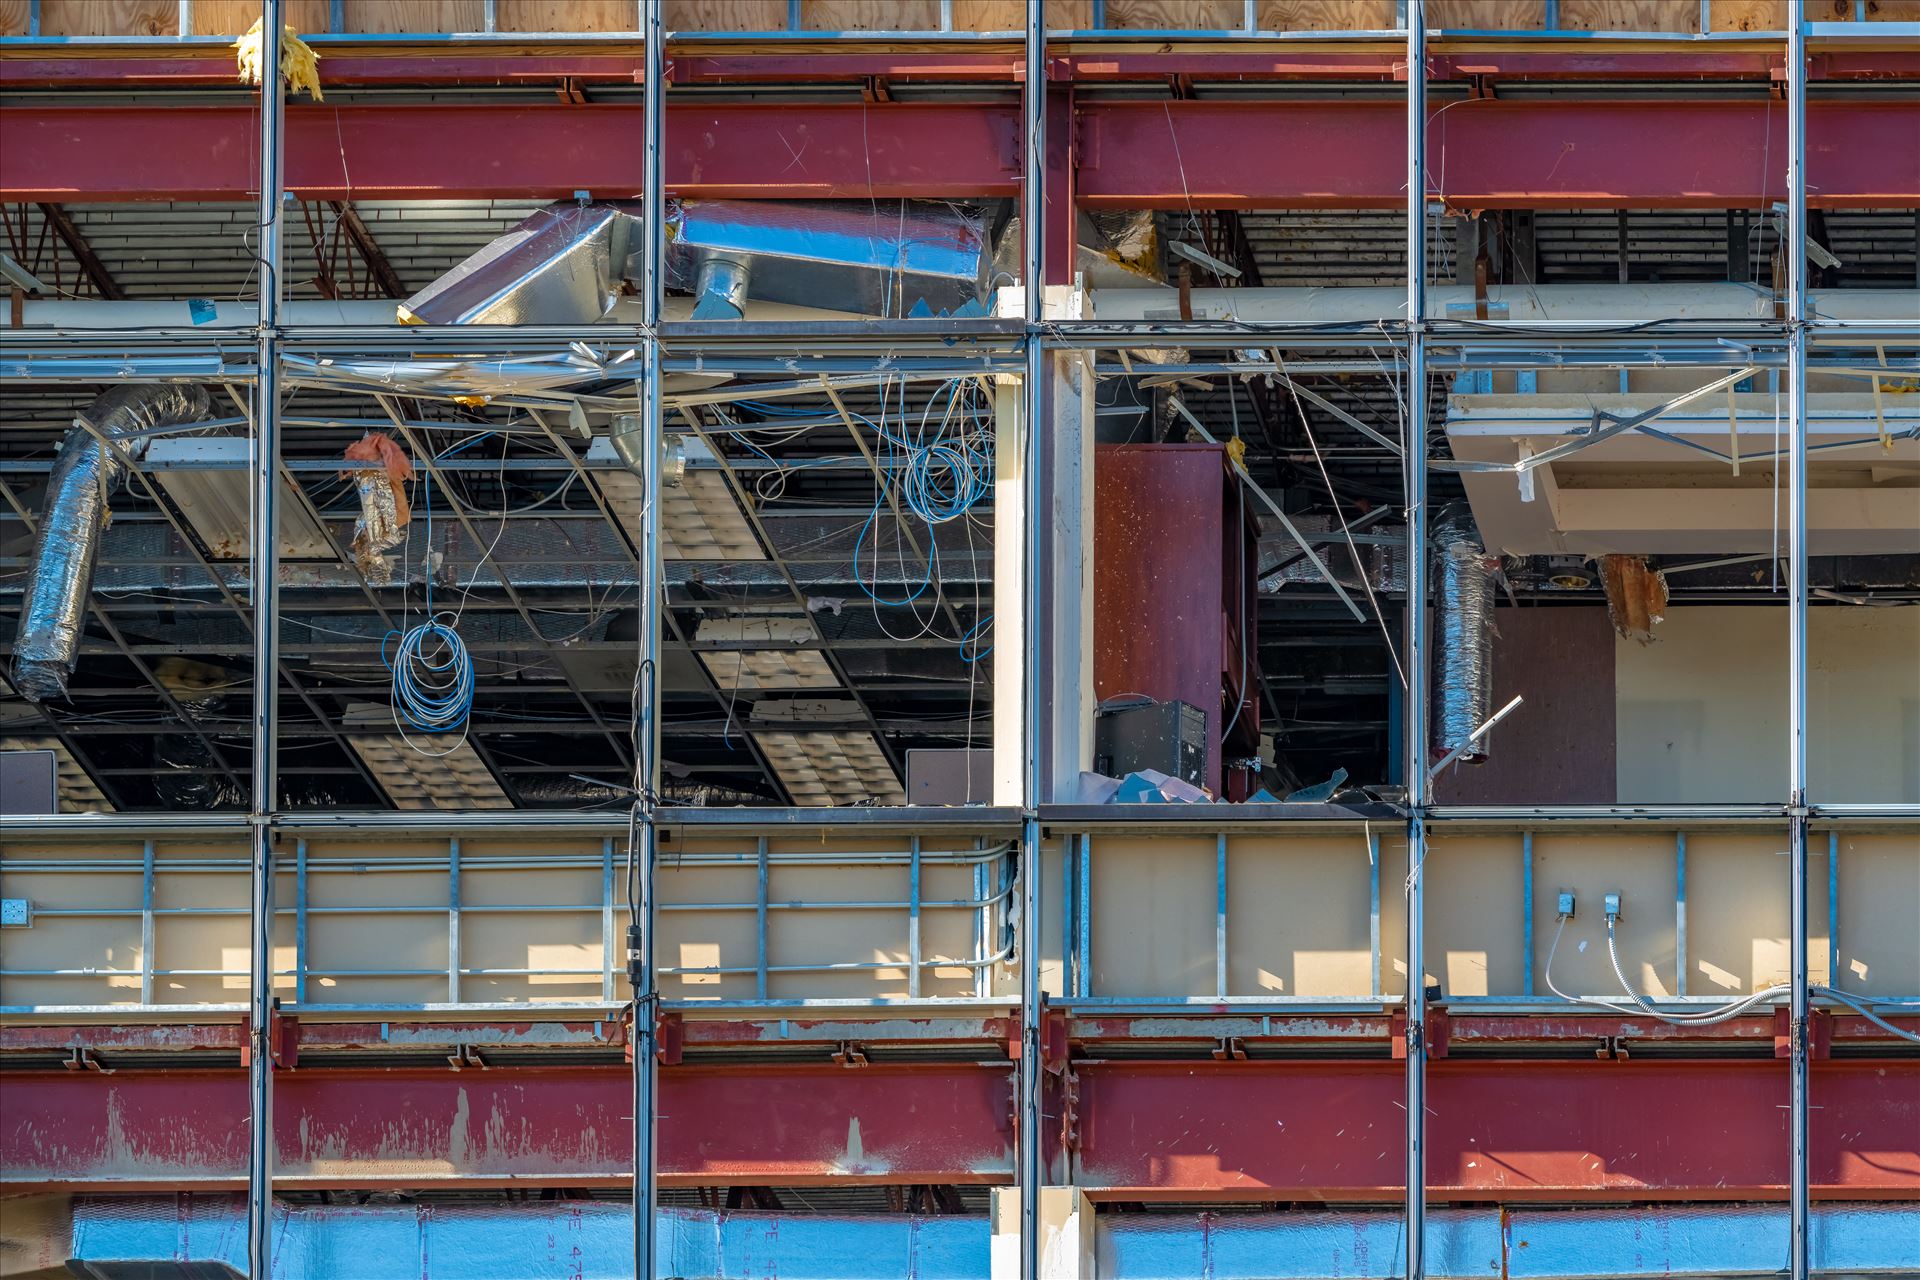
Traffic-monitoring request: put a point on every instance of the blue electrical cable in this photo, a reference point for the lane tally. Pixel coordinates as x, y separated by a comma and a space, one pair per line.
432, 670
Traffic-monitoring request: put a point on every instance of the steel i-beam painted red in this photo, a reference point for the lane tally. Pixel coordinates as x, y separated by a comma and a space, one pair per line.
1482, 153
482, 151
1234, 1129
1491, 153
788, 1124
1702, 1130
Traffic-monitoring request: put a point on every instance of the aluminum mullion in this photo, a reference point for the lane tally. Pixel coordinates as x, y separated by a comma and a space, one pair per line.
1799, 1247
265, 584
1414, 728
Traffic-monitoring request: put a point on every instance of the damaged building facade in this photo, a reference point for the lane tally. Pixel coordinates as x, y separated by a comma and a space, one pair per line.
946, 602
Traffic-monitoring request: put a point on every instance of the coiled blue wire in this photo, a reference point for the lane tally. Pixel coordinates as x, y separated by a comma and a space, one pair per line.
941, 479
431, 668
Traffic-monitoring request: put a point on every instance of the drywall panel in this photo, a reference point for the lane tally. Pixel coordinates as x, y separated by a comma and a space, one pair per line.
1879, 913
1154, 909
1299, 916
1476, 907
1702, 711
1863, 704
1325, 15
1558, 747
1737, 912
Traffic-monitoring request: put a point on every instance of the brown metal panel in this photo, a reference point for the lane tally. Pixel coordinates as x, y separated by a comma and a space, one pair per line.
1559, 746
1158, 627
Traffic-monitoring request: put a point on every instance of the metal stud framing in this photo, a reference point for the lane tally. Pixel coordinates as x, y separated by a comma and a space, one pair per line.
1039, 340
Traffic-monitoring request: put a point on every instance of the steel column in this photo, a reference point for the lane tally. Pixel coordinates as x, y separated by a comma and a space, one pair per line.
1414, 707
264, 578
1799, 1250
642, 829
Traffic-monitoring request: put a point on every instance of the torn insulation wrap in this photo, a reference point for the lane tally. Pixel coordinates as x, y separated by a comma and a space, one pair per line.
384, 512
67, 544
1636, 595
1464, 684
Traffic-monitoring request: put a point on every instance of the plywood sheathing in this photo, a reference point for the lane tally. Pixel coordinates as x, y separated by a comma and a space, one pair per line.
234, 17
111, 17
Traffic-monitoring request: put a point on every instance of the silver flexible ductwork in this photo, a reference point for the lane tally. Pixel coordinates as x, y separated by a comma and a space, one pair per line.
569, 263
1464, 683
68, 542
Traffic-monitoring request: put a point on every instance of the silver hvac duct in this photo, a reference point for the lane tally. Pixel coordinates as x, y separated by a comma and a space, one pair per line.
1464, 685
892, 259
68, 542
568, 264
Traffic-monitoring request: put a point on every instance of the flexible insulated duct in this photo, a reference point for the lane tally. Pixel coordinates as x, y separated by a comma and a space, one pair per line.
68, 542
1464, 685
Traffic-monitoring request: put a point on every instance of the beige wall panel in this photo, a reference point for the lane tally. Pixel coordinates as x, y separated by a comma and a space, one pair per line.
1702, 711
1325, 15
1299, 916
1640, 867
703, 939
1393, 915
1863, 704
1153, 916
1630, 15
1737, 896
1476, 890
544, 940
1879, 913
1053, 888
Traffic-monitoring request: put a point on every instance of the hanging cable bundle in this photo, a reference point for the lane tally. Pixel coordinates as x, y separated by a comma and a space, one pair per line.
432, 677
432, 670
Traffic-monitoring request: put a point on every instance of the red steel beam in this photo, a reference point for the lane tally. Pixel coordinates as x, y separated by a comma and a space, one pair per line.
1491, 153
1638, 1130
481, 151
1482, 153
786, 1125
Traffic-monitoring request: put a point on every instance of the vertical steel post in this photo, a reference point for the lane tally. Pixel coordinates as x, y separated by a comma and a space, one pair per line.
1033, 225
1414, 709
264, 580
1799, 1252
642, 830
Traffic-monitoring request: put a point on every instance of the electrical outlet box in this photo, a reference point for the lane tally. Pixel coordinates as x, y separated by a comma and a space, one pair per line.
1566, 905
1613, 904
15, 913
